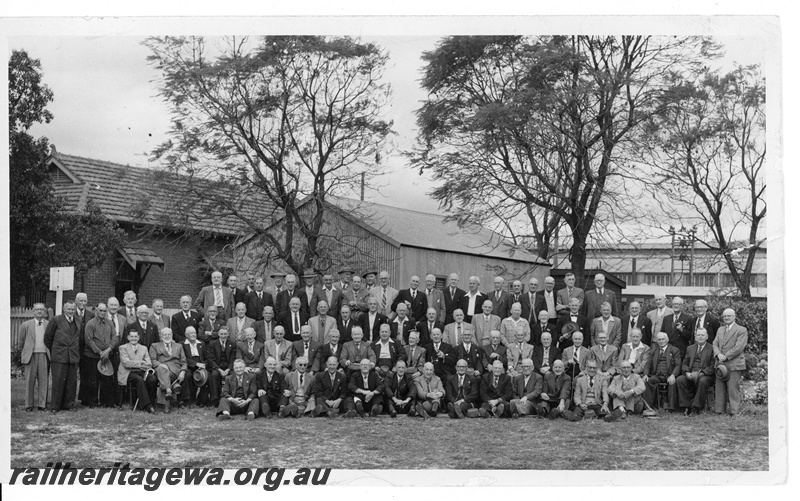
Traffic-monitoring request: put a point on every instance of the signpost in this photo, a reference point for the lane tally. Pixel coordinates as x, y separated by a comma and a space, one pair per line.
61, 279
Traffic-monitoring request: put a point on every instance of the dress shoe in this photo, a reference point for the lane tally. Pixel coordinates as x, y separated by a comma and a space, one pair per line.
500, 411
315, 412
167, 409
459, 411
434, 408
514, 411
170, 395
224, 417
554, 412
41, 408
359, 408
422, 412
376, 409
392, 411
615, 416
28, 409
696, 411
150, 409
250, 416
570, 416
473, 413
451, 411
351, 414
484, 414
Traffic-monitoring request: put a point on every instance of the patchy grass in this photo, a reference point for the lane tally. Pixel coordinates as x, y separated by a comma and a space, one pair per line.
194, 438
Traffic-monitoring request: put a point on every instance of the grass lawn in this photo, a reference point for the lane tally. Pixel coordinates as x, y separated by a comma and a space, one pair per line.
194, 438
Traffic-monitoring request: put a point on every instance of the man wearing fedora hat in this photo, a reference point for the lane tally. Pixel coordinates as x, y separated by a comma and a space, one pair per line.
370, 280
101, 339
311, 291
729, 347
345, 276
278, 285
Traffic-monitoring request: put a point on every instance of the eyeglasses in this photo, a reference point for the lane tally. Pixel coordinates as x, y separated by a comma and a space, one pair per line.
302, 365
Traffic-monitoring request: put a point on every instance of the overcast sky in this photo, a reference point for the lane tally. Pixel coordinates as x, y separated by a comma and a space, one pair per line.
106, 105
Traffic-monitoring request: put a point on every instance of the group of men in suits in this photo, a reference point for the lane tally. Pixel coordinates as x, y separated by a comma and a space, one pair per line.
420, 331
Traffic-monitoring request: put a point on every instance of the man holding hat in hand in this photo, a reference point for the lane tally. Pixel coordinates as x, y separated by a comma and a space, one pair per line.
729, 351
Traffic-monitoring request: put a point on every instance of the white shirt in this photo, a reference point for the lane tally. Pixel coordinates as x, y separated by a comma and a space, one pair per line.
385, 352
193, 348
472, 301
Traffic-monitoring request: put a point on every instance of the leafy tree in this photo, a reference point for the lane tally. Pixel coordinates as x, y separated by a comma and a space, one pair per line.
283, 121
706, 149
43, 234
528, 133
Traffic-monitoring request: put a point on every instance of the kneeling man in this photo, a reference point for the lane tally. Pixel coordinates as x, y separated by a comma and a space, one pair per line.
329, 389
462, 391
556, 390
270, 387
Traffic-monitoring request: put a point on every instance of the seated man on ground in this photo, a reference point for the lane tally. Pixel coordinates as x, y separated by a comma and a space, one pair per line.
626, 390
329, 389
365, 392
590, 392
298, 391
400, 390
496, 392
238, 394
429, 392
556, 391
462, 392
527, 389
270, 387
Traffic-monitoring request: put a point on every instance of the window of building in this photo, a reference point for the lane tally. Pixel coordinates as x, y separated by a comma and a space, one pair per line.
125, 279
661, 279
705, 280
441, 282
626, 277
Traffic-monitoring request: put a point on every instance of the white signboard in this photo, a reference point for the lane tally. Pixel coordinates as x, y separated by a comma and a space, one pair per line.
61, 279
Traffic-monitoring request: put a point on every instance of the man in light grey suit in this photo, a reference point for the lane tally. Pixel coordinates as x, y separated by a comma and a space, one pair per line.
485, 323
322, 324
169, 361
35, 358
385, 295
216, 294
657, 316
729, 347
435, 297
570, 291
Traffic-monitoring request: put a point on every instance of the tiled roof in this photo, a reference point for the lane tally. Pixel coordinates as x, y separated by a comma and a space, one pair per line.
138, 195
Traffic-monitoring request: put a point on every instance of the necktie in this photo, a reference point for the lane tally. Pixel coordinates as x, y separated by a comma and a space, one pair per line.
412, 353
495, 382
460, 381
413, 294
633, 323
239, 381
429, 292
135, 351
575, 358
459, 332
250, 348
699, 324
144, 327
428, 383
169, 348
301, 379
40, 323
497, 296
322, 325
383, 301
591, 381
452, 293
296, 323
114, 321
217, 296
305, 350
259, 296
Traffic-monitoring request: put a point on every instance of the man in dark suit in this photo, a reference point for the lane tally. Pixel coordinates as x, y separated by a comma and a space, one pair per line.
678, 326
496, 392
469, 351
294, 319
219, 360
499, 298
101, 342
564, 295
401, 325
472, 302
529, 302
329, 389
594, 298
387, 352
250, 351
581, 323
452, 298
664, 366
311, 291
236, 294
345, 324
210, 325
372, 320
399, 391
331, 295
441, 355
515, 296
540, 326
703, 319
494, 351
308, 348
183, 319
196, 356
364, 392
527, 390
239, 394
698, 374
415, 300
216, 294
426, 325
256, 300
556, 392
266, 326
61, 337
330, 349
635, 320
546, 300
462, 391
148, 331
545, 355
282, 302
270, 388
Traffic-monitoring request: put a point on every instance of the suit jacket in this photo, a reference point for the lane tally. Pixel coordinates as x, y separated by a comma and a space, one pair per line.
313, 299
325, 352
255, 306
710, 324
504, 388
541, 305
298, 349
656, 320
164, 321
131, 359
122, 322
464, 305
356, 354
27, 339
414, 364
436, 301
206, 298
673, 355
566, 357
394, 387
557, 388
450, 333
474, 356
123, 310
262, 336
334, 300
293, 385
231, 384
234, 332
273, 387
469, 392
442, 366
236, 296
207, 326
614, 330
147, 336
642, 356
452, 302
516, 356
327, 390
499, 305
346, 331
425, 332
287, 321
483, 328
356, 382
502, 355
619, 384
531, 391
529, 306
731, 344
508, 330
606, 361
563, 296
251, 360
706, 359
179, 323
419, 304
356, 300
422, 386
643, 322
678, 338
396, 352
599, 386
584, 326
214, 355
283, 298
592, 301
538, 357
62, 338
282, 352
372, 334
391, 294
526, 308
174, 359
191, 361
537, 331
408, 326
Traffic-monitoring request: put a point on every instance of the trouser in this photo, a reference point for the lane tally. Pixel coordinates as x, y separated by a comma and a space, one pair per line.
269, 404
651, 390
233, 409
350, 402
493, 410
214, 386
524, 407
191, 393
429, 407
36, 371
65, 385
579, 412
143, 386
634, 403
96, 388
165, 378
545, 407
464, 406
407, 408
322, 407
383, 362
693, 393
727, 392
297, 409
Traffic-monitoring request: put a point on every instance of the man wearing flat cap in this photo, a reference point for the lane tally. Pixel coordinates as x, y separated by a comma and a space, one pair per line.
370, 280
